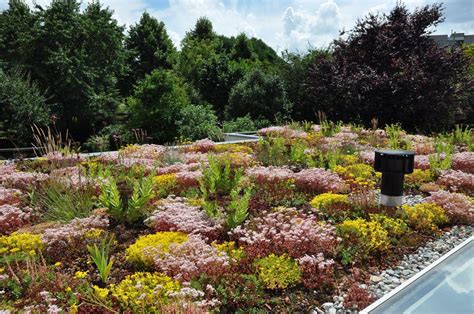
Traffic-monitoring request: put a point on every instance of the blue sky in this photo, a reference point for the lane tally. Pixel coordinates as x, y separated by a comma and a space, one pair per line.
283, 24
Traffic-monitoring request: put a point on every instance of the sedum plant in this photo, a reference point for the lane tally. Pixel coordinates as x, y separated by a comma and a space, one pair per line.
424, 217
140, 253
145, 292
278, 271
360, 238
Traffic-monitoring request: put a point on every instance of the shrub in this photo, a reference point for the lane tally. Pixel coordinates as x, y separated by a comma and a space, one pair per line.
156, 104
142, 251
197, 122
458, 207
361, 238
22, 105
144, 291
278, 272
259, 95
424, 217
244, 124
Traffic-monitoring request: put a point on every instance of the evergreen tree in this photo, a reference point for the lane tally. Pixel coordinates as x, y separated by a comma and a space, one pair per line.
77, 59
149, 47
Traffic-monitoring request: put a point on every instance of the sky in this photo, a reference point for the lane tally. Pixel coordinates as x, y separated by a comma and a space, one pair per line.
295, 25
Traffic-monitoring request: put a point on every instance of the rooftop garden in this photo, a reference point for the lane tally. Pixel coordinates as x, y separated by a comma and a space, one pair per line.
285, 223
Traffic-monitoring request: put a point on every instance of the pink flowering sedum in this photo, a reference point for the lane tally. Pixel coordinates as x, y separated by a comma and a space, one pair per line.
269, 175
286, 232
203, 146
283, 131
64, 240
23, 180
178, 167
316, 271
146, 151
177, 215
367, 156
13, 218
464, 162
458, 207
457, 181
422, 162
187, 179
191, 259
9, 196
319, 180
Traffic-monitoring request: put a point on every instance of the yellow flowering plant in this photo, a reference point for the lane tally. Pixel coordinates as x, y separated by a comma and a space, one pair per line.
144, 292
229, 248
361, 238
424, 217
140, 253
278, 271
164, 184
394, 226
325, 200
418, 178
18, 243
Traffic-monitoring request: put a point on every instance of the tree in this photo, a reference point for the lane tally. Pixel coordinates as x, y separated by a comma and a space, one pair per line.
294, 72
215, 79
75, 57
156, 104
241, 49
389, 68
469, 96
198, 122
22, 104
260, 95
17, 26
202, 30
149, 47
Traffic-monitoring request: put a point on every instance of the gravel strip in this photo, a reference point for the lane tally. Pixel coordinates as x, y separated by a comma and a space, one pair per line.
389, 279
382, 283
